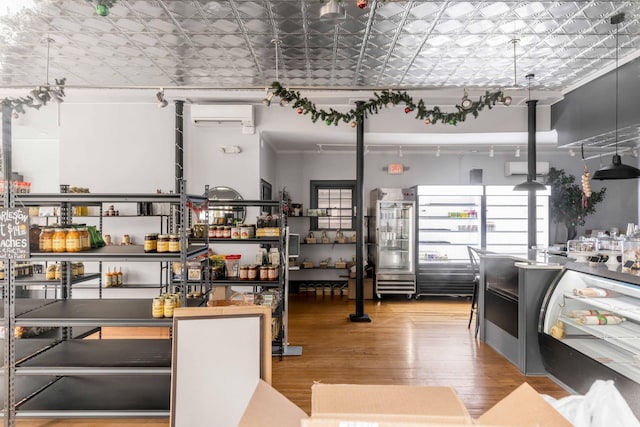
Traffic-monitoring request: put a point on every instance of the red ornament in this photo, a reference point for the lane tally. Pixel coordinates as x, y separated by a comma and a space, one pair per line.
300, 111
407, 109
362, 3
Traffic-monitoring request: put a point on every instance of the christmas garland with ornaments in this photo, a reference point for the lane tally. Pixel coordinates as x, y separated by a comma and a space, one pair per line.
387, 99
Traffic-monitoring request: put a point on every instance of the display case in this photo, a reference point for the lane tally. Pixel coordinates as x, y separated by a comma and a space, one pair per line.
506, 219
393, 241
449, 220
590, 329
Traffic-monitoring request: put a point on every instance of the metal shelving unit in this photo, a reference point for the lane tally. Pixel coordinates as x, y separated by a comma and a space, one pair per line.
280, 313
63, 377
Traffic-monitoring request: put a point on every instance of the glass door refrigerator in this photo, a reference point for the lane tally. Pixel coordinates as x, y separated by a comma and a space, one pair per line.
449, 220
393, 245
506, 219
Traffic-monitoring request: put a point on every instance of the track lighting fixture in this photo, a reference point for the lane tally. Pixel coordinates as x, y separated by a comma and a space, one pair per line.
466, 102
267, 99
491, 152
39, 96
319, 148
400, 151
438, 152
572, 153
517, 151
635, 153
162, 102
616, 170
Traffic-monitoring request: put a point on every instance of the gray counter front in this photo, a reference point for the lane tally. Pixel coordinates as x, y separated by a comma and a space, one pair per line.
509, 300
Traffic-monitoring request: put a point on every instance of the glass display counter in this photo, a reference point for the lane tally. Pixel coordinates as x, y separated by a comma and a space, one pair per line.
590, 329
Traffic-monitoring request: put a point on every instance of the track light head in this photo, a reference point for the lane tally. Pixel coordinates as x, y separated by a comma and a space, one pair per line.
491, 152
517, 151
466, 102
438, 153
267, 99
162, 102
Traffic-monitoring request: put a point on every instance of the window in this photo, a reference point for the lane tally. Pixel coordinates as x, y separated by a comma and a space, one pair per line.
337, 199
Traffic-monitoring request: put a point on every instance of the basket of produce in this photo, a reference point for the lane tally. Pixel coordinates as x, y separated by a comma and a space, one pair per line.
307, 264
340, 237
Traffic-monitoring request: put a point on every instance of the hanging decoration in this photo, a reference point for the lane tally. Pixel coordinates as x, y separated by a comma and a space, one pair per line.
384, 99
103, 7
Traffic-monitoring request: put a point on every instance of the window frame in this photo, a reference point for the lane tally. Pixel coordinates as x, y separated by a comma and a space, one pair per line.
339, 184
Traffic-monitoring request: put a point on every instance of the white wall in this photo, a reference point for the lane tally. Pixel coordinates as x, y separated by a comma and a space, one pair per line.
128, 147
296, 170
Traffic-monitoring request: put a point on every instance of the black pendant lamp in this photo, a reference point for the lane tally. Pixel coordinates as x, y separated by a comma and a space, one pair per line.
616, 170
531, 184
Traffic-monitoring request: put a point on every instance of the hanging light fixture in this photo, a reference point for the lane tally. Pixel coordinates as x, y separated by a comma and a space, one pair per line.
616, 170
517, 151
531, 184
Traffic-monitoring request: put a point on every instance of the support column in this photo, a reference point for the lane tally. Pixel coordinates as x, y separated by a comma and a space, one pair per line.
360, 315
531, 165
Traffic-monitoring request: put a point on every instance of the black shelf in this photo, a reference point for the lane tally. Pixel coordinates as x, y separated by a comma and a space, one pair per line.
26, 347
25, 305
123, 253
330, 243
39, 279
51, 199
93, 312
274, 239
101, 396
446, 217
88, 356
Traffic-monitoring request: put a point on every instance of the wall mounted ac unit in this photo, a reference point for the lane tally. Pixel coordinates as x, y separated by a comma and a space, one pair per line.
224, 115
521, 168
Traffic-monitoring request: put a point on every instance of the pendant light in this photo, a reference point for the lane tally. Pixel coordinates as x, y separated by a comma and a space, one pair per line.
531, 184
616, 170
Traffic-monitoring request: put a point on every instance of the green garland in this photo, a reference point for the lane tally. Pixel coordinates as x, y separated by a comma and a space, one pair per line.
383, 99
44, 96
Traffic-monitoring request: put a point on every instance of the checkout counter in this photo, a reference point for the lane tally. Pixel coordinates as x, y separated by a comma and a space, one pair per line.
510, 295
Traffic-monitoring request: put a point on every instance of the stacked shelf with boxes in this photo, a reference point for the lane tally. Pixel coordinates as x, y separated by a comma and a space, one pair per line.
62, 376
322, 265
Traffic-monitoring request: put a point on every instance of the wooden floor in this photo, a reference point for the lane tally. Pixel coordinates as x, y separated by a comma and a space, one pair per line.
424, 342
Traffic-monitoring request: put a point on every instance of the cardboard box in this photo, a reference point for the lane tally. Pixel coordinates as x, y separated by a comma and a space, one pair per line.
368, 288
343, 405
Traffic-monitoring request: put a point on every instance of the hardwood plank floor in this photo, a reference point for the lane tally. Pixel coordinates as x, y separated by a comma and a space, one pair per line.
423, 342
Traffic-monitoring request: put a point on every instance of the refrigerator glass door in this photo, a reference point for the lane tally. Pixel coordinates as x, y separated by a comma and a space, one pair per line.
506, 219
395, 237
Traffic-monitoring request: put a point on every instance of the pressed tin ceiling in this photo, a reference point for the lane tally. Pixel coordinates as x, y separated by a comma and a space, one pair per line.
228, 44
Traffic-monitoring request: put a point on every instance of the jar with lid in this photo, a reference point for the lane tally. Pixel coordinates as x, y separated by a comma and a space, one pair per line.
219, 232
174, 243
73, 242
162, 243
169, 305
226, 232
58, 272
59, 240
264, 272
157, 308
244, 272
252, 272
46, 240
151, 242
212, 231
273, 272
85, 238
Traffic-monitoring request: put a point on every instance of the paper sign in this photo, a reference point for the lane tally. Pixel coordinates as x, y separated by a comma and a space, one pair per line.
14, 233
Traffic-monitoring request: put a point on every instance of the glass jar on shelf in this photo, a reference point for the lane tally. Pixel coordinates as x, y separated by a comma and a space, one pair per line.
59, 240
